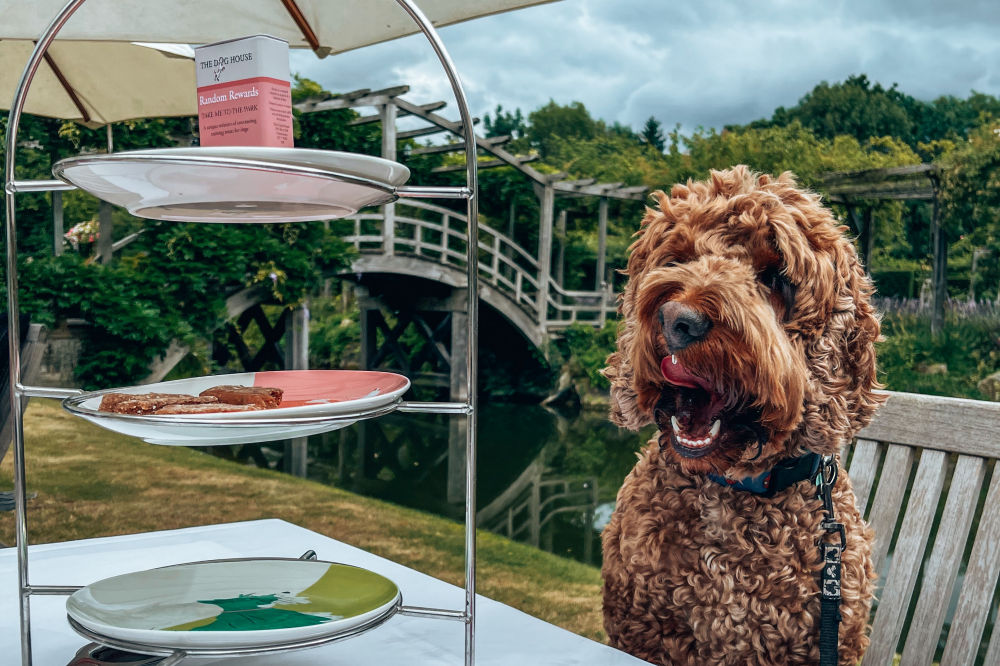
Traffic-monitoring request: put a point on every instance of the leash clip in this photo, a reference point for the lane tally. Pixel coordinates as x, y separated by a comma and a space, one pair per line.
825, 478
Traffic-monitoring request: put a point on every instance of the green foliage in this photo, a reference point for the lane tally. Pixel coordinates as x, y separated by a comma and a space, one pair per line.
969, 345
553, 123
854, 108
864, 110
795, 148
589, 347
505, 123
971, 184
334, 336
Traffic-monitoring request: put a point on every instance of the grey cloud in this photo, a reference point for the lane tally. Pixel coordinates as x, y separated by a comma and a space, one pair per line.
696, 63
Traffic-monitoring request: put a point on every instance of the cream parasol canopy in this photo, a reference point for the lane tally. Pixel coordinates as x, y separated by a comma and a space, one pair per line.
325, 26
95, 72
72, 82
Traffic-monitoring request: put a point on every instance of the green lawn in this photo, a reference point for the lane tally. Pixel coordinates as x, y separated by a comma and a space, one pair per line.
91, 482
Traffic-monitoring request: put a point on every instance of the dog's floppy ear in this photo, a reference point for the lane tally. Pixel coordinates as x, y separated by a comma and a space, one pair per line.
625, 411
840, 398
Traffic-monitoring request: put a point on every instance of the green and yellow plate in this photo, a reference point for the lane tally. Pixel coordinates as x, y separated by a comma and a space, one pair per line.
235, 603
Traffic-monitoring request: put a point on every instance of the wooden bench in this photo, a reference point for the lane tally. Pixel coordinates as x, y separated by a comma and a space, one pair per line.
918, 472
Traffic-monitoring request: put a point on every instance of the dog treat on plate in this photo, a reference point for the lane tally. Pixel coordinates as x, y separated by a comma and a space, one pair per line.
110, 400
262, 396
205, 408
145, 404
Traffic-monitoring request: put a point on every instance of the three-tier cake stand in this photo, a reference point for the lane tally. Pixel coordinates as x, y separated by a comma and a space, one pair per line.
18, 391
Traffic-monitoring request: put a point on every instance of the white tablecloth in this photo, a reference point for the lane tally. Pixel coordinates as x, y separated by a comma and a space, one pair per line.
504, 635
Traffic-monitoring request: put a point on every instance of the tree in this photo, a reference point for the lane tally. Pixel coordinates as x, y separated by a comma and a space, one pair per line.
856, 108
505, 123
652, 134
970, 197
553, 122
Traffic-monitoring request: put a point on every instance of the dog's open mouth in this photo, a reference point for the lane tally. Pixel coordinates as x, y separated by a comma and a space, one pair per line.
696, 420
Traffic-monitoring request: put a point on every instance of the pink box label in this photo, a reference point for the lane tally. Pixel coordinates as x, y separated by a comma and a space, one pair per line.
251, 112
244, 96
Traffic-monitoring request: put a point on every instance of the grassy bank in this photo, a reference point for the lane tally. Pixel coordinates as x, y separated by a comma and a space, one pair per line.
91, 482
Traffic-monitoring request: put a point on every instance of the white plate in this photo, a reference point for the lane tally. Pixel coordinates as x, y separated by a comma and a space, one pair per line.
235, 603
236, 184
314, 401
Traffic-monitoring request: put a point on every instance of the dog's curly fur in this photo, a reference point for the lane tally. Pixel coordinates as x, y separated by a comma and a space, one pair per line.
696, 572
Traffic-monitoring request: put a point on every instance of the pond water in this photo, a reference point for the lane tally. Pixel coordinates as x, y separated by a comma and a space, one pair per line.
544, 478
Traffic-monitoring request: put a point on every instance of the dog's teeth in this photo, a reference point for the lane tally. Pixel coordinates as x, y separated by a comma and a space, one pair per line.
676, 424
673, 359
715, 429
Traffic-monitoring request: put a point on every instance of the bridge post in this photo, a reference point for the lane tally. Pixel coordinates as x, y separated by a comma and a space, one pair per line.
57, 224
547, 202
561, 253
602, 245
297, 358
387, 114
104, 233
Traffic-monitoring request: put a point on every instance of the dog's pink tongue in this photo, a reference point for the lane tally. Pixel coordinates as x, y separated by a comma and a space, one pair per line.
675, 373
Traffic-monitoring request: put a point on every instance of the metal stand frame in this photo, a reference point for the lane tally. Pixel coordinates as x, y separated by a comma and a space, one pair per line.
19, 391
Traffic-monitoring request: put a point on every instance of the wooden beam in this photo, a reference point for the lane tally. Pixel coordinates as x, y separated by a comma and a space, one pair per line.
939, 244
612, 190
546, 201
57, 224
387, 114
490, 164
602, 243
350, 100
874, 175
366, 120
561, 247
427, 131
882, 189
456, 128
914, 195
457, 146
104, 232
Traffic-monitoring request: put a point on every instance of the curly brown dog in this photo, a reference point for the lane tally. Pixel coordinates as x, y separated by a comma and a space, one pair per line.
747, 337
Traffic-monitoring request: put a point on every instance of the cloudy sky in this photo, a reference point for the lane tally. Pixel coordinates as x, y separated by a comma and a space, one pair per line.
692, 62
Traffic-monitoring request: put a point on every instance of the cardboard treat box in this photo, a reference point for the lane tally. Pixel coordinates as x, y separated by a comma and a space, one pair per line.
244, 95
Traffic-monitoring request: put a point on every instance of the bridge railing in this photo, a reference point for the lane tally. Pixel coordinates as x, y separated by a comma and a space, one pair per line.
438, 234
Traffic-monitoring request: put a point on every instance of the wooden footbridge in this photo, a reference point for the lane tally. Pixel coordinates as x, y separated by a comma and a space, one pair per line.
417, 239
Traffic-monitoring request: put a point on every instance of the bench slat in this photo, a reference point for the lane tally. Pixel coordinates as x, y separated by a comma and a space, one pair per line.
977, 589
942, 568
889, 498
895, 597
862, 471
993, 653
949, 424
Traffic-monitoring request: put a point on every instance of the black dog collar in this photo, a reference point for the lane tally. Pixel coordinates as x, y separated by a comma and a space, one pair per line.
786, 473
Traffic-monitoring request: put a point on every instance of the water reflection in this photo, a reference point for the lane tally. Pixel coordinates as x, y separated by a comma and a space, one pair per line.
543, 478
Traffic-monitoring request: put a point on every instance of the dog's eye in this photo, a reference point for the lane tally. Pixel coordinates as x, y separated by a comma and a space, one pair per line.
772, 278
782, 294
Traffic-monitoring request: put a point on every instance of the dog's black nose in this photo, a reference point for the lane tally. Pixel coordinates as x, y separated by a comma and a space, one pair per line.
682, 325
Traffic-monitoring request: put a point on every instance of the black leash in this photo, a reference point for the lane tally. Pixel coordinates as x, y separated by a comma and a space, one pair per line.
823, 470
829, 618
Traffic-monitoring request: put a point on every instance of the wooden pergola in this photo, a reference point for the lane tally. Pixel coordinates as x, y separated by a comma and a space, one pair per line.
391, 106
859, 191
